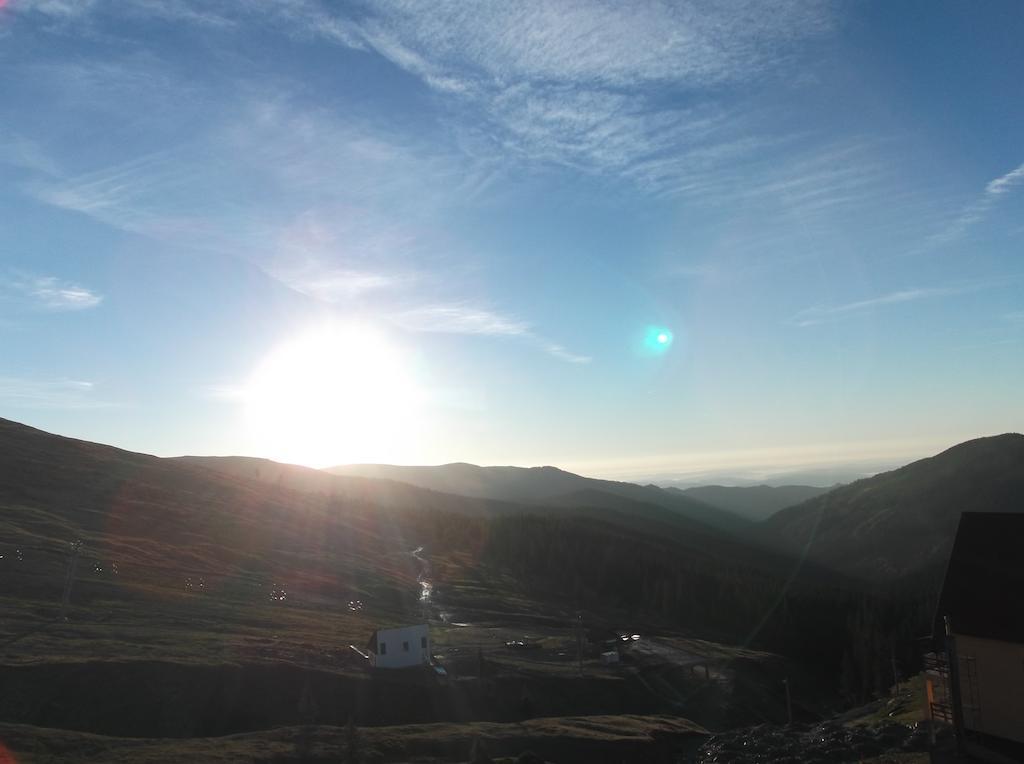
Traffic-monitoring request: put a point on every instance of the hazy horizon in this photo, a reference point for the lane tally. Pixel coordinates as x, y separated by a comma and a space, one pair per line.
821, 465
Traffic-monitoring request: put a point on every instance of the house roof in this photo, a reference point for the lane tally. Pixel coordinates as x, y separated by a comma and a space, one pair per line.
984, 581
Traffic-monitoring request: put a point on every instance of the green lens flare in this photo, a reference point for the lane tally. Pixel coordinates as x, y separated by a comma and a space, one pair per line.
657, 339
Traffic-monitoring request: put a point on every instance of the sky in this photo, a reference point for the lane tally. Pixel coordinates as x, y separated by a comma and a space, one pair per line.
643, 240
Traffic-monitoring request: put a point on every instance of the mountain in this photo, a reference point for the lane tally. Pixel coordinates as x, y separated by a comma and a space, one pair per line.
239, 561
247, 520
754, 502
380, 492
153, 514
241, 514
904, 521
542, 485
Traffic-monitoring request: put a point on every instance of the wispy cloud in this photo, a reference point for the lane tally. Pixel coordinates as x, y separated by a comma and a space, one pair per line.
58, 9
599, 43
977, 210
1004, 183
222, 392
627, 93
560, 352
461, 319
18, 151
583, 83
334, 285
822, 313
50, 293
351, 223
466, 319
132, 196
68, 11
63, 394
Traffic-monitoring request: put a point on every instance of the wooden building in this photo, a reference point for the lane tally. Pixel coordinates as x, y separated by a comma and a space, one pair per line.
977, 683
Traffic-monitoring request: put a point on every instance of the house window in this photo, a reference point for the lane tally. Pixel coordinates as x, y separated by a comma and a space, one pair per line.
405, 647
383, 648
423, 642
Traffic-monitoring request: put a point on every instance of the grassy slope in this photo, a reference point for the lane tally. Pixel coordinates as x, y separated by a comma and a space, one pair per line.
181, 561
630, 738
904, 521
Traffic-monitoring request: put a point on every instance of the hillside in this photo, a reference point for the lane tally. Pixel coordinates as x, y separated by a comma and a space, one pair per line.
205, 603
753, 502
627, 516
146, 521
258, 522
240, 513
212, 600
541, 485
904, 521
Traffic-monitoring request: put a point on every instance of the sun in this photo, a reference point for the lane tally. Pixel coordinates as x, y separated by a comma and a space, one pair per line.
334, 394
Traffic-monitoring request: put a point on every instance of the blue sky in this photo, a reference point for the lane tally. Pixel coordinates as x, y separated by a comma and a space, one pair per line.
821, 202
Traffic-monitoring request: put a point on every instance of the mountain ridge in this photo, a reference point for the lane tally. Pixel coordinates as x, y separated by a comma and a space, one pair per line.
521, 484
903, 521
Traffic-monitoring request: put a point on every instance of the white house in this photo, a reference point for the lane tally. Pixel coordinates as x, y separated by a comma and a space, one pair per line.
400, 648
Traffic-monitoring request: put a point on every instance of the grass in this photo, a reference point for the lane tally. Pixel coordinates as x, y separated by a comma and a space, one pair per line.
627, 737
907, 707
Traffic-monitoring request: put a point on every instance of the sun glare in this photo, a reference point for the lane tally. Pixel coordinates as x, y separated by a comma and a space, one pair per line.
333, 395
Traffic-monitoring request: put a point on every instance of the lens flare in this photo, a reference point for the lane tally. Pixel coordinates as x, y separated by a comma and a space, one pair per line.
6, 755
657, 340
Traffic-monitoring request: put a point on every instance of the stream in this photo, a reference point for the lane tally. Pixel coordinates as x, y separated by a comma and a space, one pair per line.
423, 578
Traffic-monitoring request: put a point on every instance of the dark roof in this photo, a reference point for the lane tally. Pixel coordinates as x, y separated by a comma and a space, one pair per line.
984, 585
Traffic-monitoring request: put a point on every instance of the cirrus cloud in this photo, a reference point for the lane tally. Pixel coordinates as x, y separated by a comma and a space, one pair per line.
50, 293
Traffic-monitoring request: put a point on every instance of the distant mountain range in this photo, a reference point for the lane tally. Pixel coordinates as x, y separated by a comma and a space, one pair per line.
625, 509
880, 528
231, 513
548, 486
822, 476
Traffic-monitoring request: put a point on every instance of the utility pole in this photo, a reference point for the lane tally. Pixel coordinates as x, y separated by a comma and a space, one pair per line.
69, 580
895, 674
788, 701
579, 640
